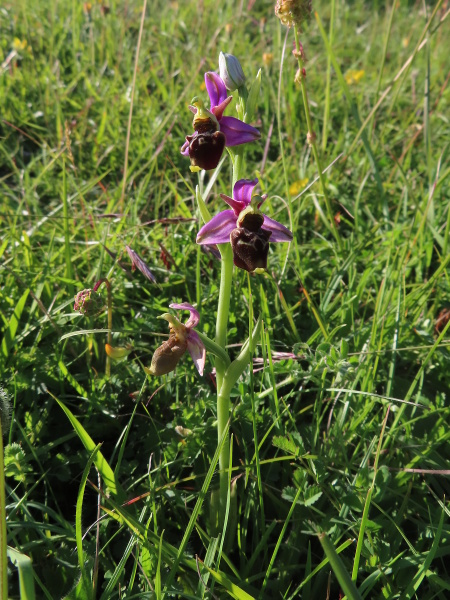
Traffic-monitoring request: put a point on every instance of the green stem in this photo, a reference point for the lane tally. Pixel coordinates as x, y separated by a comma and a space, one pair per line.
223, 395
312, 136
326, 113
223, 414
109, 290
3, 555
223, 401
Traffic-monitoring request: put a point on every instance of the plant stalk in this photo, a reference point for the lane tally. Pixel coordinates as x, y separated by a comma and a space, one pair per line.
223, 401
312, 136
109, 290
3, 555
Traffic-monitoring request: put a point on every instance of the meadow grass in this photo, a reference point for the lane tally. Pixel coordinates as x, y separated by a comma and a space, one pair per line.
108, 479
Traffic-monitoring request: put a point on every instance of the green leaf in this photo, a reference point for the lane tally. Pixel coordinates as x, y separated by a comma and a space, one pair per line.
100, 462
26, 578
252, 99
11, 330
339, 569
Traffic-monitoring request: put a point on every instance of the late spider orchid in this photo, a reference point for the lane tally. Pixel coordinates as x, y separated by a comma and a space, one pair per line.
247, 228
212, 130
181, 338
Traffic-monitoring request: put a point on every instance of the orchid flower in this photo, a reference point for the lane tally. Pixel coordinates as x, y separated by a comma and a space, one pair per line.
245, 227
213, 130
181, 338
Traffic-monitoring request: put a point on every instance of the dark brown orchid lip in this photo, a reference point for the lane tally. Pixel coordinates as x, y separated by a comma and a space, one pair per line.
206, 149
250, 248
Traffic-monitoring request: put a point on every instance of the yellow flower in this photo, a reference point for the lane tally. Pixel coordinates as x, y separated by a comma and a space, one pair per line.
267, 58
19, 44
353, 76
297, 186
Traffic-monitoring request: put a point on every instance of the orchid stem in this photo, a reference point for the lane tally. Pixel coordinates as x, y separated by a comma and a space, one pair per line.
223, 401
312, 136
3, 534
109, 290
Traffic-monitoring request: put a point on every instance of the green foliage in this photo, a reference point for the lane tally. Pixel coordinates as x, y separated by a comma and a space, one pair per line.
344, 335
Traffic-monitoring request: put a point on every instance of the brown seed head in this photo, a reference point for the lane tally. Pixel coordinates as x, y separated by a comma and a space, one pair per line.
88, 302
293, 12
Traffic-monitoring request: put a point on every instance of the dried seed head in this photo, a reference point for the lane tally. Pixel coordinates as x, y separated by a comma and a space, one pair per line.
311, 137
293, 12
88, 302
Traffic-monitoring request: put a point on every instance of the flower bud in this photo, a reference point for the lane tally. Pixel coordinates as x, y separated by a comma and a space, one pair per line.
88, 302
231, 71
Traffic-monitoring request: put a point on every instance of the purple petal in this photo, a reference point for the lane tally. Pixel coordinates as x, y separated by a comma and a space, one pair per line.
280, 233
243, 190
220, 108
215, 87
138, 263
197, 351
235, 204
185, 147
194, 317
217, 231
237, 132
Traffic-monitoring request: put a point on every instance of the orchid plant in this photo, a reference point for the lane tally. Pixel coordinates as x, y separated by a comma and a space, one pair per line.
242, 233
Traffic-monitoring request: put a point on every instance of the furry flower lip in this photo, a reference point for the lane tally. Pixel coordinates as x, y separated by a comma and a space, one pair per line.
245, 227
212, 129
181, 338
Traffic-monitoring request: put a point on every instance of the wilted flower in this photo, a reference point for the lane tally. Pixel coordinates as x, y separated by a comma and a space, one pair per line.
181, 338
245, 227
231, 71
88, 302
138, 263
118, 352
293, 12
442, 319
213, 130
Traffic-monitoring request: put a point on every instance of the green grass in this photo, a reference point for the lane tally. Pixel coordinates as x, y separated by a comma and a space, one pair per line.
352, 437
